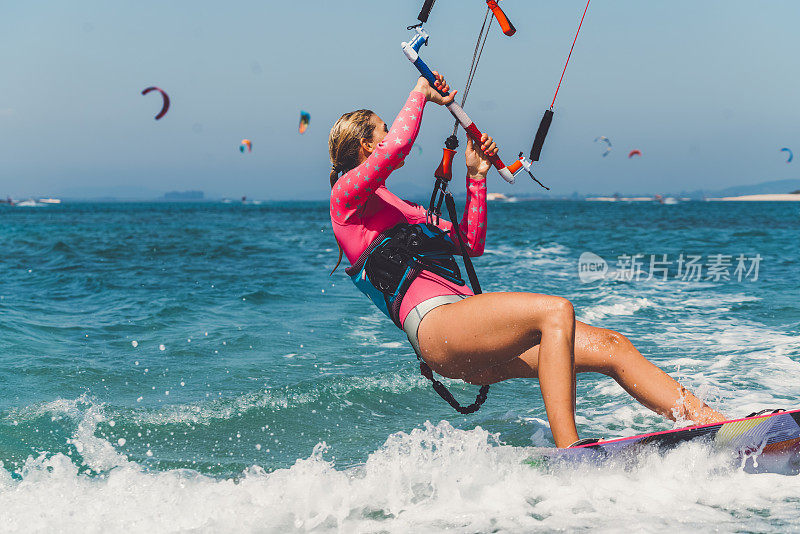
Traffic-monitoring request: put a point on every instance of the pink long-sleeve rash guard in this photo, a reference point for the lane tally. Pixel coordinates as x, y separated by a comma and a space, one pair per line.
362, 207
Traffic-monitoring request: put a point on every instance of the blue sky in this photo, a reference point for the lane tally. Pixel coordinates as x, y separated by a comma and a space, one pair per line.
707, 90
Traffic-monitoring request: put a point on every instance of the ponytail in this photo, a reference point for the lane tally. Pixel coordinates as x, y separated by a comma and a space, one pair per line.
344, 144
334, 177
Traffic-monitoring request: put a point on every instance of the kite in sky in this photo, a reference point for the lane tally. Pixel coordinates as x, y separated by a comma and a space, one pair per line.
164, 98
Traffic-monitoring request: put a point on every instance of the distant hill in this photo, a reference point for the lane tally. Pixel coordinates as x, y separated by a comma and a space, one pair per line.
764, 188
183, 195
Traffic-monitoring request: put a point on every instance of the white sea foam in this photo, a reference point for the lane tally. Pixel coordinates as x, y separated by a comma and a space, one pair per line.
433, 479
613, 306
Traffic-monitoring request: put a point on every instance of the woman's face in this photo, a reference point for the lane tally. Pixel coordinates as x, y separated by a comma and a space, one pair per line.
379, 134
380, 130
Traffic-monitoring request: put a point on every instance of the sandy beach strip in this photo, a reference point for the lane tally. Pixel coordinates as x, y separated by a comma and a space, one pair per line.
783, 197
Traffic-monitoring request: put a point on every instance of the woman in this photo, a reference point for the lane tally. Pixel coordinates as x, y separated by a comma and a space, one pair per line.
485, 338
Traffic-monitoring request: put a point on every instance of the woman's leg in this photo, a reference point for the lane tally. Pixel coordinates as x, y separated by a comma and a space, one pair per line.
477, 347
493, 329
612, 354
599, 350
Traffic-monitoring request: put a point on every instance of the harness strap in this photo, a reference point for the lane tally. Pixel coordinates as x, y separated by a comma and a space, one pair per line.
359, 264
394, 306
424, 368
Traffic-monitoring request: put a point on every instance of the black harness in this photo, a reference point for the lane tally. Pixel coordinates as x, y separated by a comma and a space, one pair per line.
386, 269
400, 254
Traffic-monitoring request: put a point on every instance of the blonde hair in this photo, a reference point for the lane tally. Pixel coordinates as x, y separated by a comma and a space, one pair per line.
344, 146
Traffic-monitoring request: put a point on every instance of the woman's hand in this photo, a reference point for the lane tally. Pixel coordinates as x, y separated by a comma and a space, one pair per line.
478, 163
431, 94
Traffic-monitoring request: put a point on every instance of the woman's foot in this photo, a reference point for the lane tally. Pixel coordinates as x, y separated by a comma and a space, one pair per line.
766, 411
708, 416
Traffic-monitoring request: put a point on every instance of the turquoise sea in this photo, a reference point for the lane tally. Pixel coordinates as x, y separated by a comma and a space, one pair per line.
193, 367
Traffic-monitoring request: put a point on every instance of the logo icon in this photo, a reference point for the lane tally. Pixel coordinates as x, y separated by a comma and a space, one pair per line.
591, 267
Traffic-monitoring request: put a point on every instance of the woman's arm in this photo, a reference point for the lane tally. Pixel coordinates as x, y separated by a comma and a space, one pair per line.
354, 188
473, 220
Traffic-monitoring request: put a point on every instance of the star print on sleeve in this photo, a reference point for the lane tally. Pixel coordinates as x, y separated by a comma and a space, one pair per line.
473, 220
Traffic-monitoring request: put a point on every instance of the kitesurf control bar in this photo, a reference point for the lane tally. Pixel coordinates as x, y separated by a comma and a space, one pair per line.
411, 50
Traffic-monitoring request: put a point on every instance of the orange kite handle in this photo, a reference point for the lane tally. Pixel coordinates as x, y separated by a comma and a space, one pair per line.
501, 17
445, 170
515, 167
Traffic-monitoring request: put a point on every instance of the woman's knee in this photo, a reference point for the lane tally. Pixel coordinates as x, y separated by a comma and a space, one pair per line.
560, 314
620, 350
617, 341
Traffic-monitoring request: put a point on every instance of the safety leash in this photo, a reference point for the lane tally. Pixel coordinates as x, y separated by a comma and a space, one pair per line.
444, 393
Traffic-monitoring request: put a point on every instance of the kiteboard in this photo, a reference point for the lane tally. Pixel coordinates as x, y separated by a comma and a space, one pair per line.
761, 443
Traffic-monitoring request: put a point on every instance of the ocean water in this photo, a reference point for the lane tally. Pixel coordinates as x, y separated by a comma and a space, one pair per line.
193, 367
